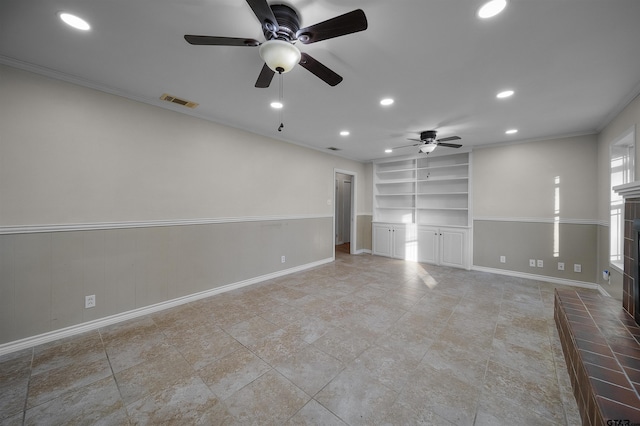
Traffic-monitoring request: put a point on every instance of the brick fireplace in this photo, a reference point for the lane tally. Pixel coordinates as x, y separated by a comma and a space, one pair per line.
600, 336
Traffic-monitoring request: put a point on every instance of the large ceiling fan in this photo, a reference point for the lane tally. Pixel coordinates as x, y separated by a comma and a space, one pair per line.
428, 142
281, 27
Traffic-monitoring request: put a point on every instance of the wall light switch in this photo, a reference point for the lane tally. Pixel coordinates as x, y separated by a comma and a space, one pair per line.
540, 263
577, 267
560, 266
503, 259
532, 263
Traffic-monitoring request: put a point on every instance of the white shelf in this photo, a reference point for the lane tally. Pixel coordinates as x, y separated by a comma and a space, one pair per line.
431, 191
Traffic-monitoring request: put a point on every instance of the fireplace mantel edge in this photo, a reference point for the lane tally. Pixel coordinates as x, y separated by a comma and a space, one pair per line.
628, 190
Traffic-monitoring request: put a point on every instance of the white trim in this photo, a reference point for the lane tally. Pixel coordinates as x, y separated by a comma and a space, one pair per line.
628, 190
616, 267
541, 220
603, 291
562, 281
124, 316
363, 251
30, 229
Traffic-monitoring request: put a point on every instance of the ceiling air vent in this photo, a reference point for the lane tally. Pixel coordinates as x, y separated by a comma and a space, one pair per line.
333, 148
173, 99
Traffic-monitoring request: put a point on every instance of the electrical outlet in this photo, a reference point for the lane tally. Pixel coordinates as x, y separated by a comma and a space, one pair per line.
540, 263
283, 259
532, 263
577, 267
503, 259
560, 266
90, 301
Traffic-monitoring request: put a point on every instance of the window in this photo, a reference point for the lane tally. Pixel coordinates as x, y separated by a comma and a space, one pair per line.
622, 156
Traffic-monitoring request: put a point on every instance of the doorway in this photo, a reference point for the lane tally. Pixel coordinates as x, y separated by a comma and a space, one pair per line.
344, 216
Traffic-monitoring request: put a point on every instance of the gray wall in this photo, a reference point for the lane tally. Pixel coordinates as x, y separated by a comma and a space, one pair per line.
536, 200
113, 169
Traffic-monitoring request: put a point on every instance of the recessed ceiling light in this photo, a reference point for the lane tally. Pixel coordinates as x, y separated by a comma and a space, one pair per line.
386, 102
388, 151
511, 131
491, 8
276, 105
505, 94
344, 133
75, 21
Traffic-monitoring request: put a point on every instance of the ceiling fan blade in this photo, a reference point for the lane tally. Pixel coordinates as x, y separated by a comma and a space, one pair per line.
450, 138
450, 145
319, 70
264, 14
407, 146
220, 41
348, 23
265, 77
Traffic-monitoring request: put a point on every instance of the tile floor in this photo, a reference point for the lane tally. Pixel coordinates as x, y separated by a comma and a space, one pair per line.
364, 340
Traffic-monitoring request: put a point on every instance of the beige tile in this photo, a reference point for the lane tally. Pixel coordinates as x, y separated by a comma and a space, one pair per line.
251, 331
270, 399
356, 396
202, 343
15, 370
310, 369
342, 344
53, 382
541, 394
279, 345
314, 414
232, 372
133, 343
495, 411
440, 392
186, 401
97, 403
152, 376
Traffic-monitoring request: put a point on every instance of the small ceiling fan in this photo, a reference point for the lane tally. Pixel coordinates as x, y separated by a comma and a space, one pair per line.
281, 27
428, 142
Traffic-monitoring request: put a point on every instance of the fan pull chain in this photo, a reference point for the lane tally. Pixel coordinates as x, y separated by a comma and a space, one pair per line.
281, 102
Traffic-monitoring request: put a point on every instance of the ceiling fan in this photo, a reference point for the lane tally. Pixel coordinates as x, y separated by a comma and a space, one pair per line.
281, 27
428, 142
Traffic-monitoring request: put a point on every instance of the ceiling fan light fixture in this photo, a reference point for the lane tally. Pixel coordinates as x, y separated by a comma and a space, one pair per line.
427, 148
279, 55
491, 8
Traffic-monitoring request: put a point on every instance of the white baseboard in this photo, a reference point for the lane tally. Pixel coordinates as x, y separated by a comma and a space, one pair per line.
363, 251
39, 339
555, 280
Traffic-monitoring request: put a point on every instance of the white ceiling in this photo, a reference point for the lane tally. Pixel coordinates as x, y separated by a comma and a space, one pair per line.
573, 65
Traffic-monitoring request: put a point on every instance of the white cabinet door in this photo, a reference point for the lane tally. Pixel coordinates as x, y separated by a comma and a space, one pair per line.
443, 246
428, 239
382, 240
453, 248
405, 244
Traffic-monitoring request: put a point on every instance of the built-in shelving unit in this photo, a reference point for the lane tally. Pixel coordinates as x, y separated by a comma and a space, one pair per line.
425, 191
422, 210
